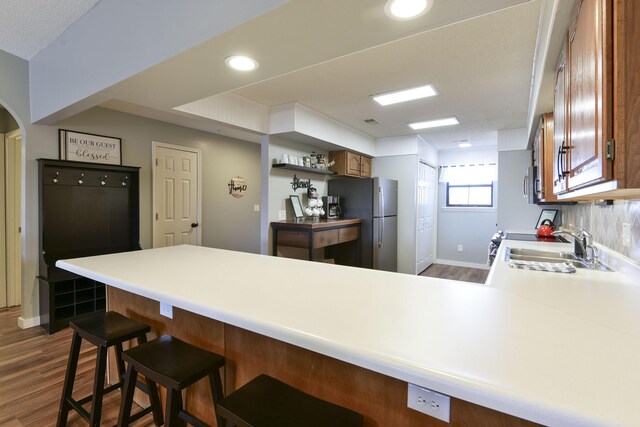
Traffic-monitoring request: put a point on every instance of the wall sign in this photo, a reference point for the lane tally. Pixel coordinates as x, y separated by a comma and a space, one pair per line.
237, 186
86, 147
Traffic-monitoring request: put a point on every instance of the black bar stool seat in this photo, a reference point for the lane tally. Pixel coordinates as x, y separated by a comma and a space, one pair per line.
104, 330
268, 402
175, 365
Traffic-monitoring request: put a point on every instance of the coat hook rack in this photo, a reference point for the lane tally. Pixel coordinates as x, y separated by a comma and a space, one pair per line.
299, 183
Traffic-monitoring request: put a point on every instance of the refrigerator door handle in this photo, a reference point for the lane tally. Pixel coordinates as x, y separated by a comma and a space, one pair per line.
380, 215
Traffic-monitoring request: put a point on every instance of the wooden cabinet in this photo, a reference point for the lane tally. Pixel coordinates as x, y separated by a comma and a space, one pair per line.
560, 167
590, 94
85, 209
543, 159
601, 103
314, 235
350, 164
62, 300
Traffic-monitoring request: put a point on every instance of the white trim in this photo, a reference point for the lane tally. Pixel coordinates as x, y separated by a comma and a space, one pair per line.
198, 152
13, 220
462, 264
469, 209
29, 322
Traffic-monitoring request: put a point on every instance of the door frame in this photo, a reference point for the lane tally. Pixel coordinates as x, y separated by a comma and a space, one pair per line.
155, 198
10, 219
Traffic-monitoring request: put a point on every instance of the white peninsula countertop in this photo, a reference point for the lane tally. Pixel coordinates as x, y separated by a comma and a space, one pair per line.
556, 349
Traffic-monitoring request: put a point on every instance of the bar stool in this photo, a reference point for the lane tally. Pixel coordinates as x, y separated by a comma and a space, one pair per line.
267, 402
175, 365
104, 330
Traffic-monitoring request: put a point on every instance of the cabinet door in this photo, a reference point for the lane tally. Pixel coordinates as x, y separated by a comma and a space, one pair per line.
547, 158
538, 147
365, 166
589, 94
353, 164
560, 128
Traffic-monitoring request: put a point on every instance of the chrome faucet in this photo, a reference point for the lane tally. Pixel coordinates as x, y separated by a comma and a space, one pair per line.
583, 244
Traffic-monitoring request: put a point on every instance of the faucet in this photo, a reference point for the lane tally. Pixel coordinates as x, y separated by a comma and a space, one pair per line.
582, 243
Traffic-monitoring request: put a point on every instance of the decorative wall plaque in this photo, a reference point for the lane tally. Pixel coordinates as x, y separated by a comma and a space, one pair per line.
237, 186
86, 147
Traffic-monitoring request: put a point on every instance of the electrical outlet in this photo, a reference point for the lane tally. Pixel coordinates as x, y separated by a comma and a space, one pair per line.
166, 310
460, 248
626, 234
256, 208
429, 402
282, 215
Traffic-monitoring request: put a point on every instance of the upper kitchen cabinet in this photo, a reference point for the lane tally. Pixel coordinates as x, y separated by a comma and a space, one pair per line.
350, 164
601, 157
543, 159
560, 129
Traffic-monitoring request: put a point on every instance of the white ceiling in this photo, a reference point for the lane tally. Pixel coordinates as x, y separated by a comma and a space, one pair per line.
478, 54
28, 26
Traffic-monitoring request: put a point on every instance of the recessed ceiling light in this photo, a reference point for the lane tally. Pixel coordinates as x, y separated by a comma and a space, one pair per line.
404, 95
407, 9
464, 145
241, 63
434, 123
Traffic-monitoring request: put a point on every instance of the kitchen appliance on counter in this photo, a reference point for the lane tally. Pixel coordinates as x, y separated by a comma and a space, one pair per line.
332, 207
375, 201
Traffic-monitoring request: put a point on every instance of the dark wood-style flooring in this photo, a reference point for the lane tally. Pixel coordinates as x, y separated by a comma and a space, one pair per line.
442, 271
32, 368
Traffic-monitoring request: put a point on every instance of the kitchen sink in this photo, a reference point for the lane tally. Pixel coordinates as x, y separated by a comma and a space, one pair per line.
542, 254
554, 257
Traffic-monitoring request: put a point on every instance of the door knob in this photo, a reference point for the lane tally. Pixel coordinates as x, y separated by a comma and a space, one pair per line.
194, 224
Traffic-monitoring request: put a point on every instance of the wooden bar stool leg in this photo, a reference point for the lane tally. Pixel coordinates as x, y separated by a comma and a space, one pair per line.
174, 405
154, 400
120, 363
129, 388
216, 393
98, 387
69, 379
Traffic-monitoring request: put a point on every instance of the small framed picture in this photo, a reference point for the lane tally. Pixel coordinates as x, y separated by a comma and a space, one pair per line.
297, 206
549, 214
87, 147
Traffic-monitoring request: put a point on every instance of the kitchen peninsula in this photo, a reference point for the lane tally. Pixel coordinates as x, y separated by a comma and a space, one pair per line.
359, 338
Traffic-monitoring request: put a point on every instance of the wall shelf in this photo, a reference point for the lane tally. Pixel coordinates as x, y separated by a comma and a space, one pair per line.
298, 168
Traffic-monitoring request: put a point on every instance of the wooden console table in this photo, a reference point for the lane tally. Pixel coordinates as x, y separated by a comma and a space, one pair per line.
313, 235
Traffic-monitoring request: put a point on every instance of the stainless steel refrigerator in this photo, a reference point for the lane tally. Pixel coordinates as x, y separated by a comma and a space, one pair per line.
375, 201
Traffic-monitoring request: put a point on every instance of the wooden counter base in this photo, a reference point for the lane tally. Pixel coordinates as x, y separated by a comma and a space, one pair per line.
382, 400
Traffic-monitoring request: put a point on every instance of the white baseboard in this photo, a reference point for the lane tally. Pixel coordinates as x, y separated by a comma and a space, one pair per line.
28, 323
463, 264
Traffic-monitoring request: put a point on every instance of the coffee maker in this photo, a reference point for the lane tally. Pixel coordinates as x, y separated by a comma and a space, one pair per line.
332, 207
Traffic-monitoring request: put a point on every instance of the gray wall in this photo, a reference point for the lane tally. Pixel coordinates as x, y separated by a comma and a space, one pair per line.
470, 228
14, 96
514, 212
7, 121
227, 222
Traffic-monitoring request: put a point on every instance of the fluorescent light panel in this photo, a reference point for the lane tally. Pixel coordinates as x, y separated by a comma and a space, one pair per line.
434, 123
404, 95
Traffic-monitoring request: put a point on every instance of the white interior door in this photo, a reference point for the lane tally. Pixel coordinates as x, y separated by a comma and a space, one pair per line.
13, 226
426, 210
176, 195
